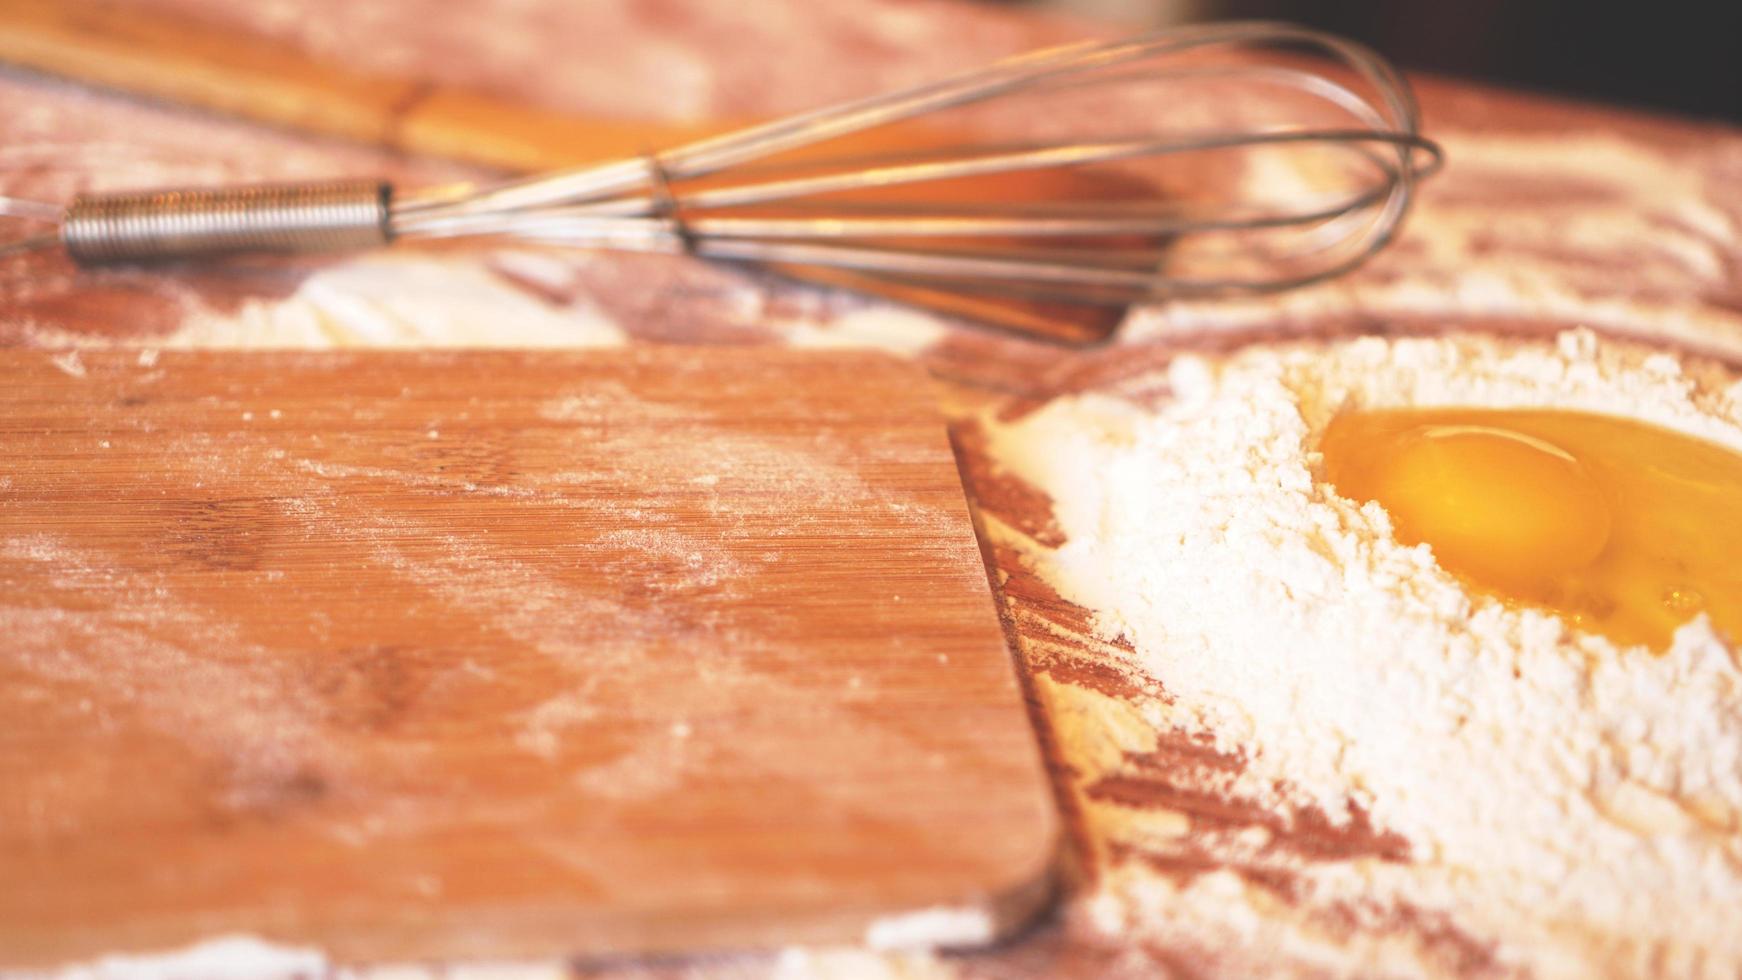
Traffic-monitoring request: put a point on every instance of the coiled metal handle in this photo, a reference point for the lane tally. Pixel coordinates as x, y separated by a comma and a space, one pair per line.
143, 226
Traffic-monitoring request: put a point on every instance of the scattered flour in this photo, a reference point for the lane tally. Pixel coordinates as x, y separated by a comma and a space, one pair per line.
402, 299
221, 958
69, 363
899, 331
931, 928
1574, 805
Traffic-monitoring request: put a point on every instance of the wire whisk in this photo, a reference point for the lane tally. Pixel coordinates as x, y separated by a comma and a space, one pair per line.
1274, 156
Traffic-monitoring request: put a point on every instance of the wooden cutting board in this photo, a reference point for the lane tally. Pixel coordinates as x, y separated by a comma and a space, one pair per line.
498, 654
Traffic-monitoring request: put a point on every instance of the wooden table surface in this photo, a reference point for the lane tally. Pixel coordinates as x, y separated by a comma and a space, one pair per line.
1549, 215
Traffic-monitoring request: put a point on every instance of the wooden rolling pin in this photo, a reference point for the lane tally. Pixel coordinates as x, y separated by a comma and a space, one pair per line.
185, 62
188, 63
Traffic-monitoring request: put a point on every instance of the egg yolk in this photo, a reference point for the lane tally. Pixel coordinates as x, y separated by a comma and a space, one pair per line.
1623, 528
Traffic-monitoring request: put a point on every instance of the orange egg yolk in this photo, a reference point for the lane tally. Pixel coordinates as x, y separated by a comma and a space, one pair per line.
1623, 528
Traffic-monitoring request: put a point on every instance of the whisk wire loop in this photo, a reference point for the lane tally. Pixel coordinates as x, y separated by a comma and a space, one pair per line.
666, 204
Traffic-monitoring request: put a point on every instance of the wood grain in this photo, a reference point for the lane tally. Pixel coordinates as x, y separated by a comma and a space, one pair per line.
497, 654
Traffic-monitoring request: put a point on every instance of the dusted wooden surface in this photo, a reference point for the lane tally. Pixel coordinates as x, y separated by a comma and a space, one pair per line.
1549, 215
412, 656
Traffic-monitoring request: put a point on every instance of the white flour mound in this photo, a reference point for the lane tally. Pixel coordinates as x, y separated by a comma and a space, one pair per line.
1577, 805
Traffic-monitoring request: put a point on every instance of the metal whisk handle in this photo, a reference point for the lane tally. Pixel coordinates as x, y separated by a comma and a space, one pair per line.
145, 226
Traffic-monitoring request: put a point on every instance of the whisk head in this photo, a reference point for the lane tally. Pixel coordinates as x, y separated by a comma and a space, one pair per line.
1211, 159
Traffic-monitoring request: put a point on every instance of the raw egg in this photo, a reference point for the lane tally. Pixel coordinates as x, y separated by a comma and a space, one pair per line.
1622, 527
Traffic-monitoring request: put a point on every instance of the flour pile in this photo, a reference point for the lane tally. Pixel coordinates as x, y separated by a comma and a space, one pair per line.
1574, 807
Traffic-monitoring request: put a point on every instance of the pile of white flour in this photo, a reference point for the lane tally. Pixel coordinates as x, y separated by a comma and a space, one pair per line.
1576, 806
